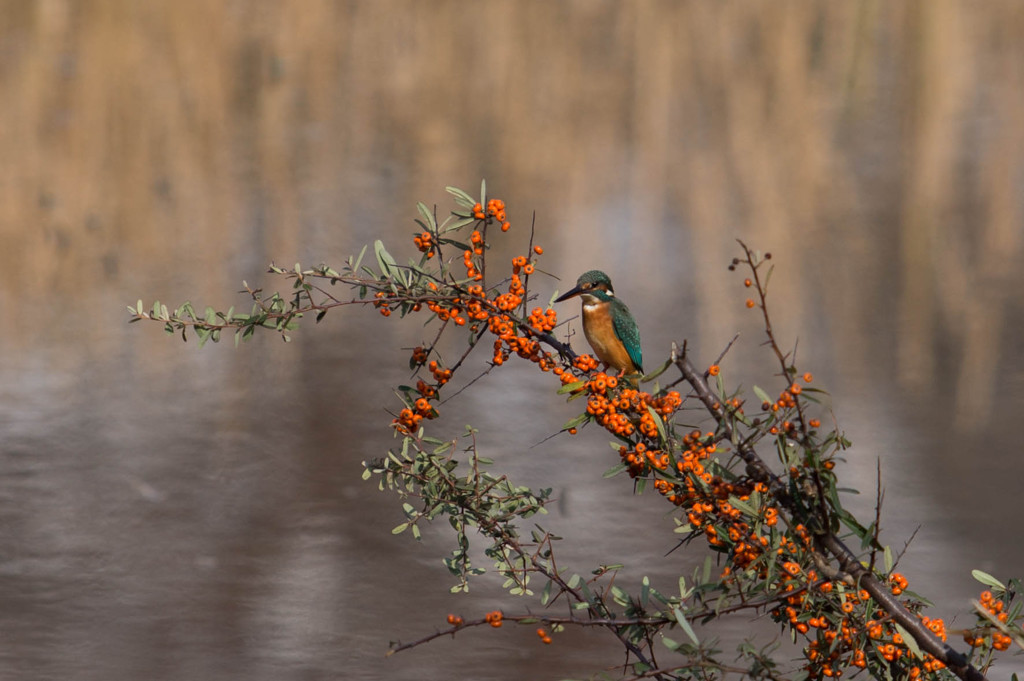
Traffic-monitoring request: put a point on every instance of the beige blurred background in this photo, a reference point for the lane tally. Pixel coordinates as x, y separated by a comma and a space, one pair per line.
175, 513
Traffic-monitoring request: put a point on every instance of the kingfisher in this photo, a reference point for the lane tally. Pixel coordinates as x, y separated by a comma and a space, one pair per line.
607, 323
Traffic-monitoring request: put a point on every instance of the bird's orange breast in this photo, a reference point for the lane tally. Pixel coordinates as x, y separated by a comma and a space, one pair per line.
600, 333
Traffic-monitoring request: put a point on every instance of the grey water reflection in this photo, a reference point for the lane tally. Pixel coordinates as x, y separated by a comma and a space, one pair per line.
169, 512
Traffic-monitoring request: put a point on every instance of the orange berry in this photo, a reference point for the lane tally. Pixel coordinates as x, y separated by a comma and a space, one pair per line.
505, 226
538, 250
808, 377
750, 302
747, 283
572, 431
713, 369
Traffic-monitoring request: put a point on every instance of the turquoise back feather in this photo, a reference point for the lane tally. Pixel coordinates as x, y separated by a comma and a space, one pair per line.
628, 333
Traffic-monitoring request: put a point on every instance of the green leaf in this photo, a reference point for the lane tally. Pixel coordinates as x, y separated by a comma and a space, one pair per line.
545, 594
657, 372
384, 259
456, 225
762, 395
669, 643
685, 626
576, 421
658, 422
909, 641
987, 579
483, 193
359, 260
614, 470
743, 506
571, 387
461, 197
428, 216
888, 559
400, 528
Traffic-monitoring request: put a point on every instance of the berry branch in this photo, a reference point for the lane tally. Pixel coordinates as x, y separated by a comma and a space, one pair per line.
776, 532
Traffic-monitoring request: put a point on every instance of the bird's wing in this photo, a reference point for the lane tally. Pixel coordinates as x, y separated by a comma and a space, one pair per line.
625, 329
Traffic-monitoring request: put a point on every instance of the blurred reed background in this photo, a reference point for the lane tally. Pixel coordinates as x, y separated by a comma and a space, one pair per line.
171, 512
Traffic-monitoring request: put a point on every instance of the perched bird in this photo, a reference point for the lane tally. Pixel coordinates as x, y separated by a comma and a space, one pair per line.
609, 327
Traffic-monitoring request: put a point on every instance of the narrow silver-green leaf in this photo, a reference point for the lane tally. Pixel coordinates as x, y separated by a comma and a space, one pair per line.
384, 259
428, 216
685, 626
987, 579
909, 641
461, 197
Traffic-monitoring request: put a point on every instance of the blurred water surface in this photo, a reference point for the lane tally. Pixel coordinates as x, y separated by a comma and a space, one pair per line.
172, 513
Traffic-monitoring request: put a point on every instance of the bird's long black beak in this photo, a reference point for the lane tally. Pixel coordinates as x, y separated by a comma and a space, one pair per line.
569, 294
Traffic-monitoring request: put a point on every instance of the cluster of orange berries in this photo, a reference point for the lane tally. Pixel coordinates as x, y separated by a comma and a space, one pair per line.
448, 310
733, 534
455, 620
734, 403
544, 635
628, 410
523, 264
383, 302
787, 400
696, 450
541, 320
426, 390
477, 242
825, 653
441, 375
475, 306
584, 363
899, 583
495, 209
408, 421
419, 355
425, 243
507, 330
976, 637
494, 618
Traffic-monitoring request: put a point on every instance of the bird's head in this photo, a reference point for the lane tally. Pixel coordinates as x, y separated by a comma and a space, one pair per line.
594, 286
